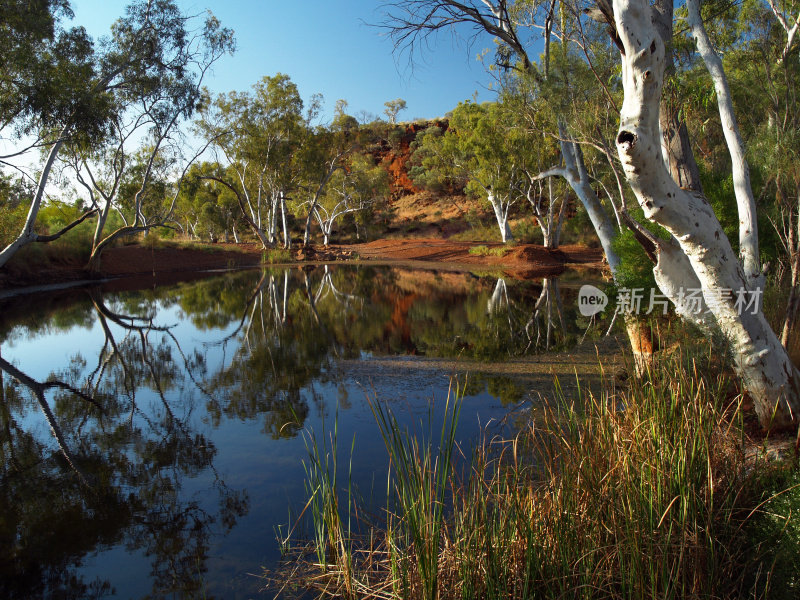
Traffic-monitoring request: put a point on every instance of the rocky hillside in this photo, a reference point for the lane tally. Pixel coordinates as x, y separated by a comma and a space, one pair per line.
395, 154
416, 212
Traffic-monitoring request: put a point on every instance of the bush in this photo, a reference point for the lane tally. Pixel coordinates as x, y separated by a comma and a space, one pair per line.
478, 233
277, 255
486, 251
11, 222
528, 232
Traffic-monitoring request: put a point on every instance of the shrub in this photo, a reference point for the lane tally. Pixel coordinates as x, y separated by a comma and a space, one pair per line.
277, 255
486, 251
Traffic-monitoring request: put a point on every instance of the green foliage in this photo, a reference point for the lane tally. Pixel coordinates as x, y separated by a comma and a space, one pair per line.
72, 249
487, 150
394, 137
483, 250
579, 230
528, 232
14, 204
277, 256
636, 268
773, 532
422, 469
48, 70
358, 191
486, 232
55, 78
718, 188
207, 207
332, 535
264, 126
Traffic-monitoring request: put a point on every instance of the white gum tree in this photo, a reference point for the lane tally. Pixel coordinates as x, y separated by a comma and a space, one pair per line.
766, 369
257, 135
356, 187
652, 149
482, 150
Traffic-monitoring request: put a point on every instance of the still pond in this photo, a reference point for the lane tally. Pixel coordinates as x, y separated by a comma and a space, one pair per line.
152, 442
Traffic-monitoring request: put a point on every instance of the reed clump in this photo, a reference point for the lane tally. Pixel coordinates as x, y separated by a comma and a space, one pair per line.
640, 493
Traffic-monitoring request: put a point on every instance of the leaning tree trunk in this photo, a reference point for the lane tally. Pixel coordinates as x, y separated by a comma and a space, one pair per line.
574, 171
767, 372
743, 191
102, 217
28, 235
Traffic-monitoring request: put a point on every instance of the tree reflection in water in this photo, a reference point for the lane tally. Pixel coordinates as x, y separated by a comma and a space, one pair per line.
117, 474
127, 418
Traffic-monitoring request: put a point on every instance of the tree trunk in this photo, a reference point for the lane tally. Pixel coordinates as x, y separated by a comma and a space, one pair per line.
745, 201
793, 303
273, 219
578, 179
28, 235
547, 235
676, 148
102, 217
767, 372
562, 213
502, 218
287, 240
643, 347
315, 201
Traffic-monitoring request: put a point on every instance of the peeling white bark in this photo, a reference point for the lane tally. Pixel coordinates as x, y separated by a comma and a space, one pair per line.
675, 276
767, 372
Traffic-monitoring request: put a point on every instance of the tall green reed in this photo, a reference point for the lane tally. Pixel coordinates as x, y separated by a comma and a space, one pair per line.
332, 532
421, 471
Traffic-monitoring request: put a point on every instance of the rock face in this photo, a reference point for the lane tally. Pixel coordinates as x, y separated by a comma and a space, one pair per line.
395, 156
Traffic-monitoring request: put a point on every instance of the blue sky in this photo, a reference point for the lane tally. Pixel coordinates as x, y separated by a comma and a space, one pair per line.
326, 46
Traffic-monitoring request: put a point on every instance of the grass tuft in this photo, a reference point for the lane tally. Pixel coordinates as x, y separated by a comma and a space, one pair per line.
483, 250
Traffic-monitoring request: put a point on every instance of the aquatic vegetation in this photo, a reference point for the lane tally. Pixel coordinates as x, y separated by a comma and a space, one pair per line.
640, 492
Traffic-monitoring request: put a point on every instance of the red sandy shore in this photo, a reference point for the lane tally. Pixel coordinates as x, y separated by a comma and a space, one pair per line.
171, 263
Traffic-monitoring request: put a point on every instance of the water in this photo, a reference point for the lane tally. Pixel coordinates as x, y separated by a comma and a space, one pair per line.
180, 415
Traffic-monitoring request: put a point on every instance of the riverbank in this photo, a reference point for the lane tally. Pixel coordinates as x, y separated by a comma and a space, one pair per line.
167, 262
645, 490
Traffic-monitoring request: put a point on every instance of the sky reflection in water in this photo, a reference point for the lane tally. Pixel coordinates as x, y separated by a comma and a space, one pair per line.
181, 411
